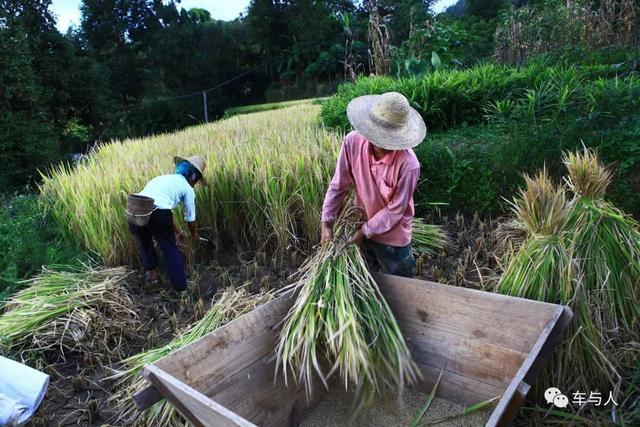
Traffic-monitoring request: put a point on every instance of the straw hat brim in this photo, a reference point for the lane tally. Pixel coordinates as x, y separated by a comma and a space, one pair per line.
178, 159
399, 137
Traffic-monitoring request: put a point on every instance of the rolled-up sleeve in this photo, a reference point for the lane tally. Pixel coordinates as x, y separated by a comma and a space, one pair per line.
339, 186
190, 205
386, 218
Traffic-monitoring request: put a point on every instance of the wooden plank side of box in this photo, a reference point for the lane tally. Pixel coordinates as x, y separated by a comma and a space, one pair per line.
513, 396
480, 339
234, 366
193, 405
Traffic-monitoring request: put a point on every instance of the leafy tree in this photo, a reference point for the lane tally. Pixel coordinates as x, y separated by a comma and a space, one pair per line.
35, 78
405, 14
267, 32
486, 9
110, 29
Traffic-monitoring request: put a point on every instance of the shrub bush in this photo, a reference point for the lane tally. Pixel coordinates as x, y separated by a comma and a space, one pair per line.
474, 168
453, 97
504, 121
553, 25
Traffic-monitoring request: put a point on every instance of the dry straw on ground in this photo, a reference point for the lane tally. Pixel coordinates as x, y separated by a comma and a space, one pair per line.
231, 303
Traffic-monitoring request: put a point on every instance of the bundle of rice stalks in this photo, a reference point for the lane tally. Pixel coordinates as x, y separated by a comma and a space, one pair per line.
545, 269
542, 269
428, 239
588, 177
340, 321
606, 246
510, 236
86, 310
585, 253
229, 305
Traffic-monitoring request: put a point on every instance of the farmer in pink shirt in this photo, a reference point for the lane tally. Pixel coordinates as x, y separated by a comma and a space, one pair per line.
377, 159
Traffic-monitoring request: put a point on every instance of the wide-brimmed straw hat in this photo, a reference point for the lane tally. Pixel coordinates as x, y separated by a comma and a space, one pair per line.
387, 120
197, 162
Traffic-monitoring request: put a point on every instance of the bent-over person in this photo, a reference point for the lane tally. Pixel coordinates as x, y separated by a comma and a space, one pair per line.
167, 192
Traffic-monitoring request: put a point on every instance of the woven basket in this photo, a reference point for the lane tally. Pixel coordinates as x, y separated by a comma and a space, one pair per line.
139, 209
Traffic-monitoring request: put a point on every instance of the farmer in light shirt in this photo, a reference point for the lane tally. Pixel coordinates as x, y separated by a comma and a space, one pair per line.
168, 191
377, 159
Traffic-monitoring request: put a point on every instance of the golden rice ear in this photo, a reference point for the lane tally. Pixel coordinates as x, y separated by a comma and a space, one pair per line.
542, 206
588, 176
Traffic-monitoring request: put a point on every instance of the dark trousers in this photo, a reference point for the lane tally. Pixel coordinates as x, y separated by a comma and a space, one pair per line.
397, 260
160, 228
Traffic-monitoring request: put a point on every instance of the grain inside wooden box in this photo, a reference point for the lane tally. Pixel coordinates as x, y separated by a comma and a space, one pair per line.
488, 345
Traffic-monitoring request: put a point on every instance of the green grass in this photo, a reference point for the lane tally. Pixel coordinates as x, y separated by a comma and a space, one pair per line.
30, 239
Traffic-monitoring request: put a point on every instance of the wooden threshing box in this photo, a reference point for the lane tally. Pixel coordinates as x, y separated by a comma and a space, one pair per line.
489, 345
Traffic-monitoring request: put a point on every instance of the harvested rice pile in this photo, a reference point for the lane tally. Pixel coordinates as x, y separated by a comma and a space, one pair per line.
583, 252
59, 312
427, 239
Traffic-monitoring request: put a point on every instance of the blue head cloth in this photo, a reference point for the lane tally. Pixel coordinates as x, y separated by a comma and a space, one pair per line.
187, 170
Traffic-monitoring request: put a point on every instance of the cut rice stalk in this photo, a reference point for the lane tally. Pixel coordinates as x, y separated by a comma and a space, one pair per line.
606, 245
80, 310
542, 269
588, 177
427, 404
340, 320
585, 253
605, 241
426, 238
467, 411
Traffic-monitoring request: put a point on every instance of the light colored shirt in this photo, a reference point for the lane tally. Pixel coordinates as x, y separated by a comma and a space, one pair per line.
168, 191
384, 188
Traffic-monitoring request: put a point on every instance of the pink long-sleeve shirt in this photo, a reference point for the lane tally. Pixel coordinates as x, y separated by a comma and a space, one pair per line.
384, 188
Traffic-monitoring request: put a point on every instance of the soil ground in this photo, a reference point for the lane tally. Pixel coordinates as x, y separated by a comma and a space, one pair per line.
79, 389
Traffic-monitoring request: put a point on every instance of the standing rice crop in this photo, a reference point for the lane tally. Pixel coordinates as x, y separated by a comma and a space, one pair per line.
341, 323
230, 304
267, 173
63, 311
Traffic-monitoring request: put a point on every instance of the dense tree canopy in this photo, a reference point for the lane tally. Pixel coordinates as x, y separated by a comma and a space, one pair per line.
136, 67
